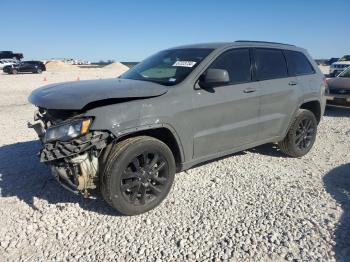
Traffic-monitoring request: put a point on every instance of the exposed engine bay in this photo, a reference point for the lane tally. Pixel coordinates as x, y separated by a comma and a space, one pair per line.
73, 159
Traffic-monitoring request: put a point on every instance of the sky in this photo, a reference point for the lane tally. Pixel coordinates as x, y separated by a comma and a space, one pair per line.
133, 30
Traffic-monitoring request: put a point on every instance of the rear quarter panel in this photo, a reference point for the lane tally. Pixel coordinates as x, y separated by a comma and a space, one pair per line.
313, 85
311, 88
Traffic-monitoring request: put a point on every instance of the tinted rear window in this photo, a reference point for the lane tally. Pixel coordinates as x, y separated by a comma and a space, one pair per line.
270, 64
237, 64
298, 64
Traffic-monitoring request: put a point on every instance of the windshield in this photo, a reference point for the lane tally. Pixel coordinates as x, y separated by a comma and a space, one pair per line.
345, 58
345, 73
168, 67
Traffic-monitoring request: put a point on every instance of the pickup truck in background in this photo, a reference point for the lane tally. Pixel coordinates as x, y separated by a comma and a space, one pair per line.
10, 55
337, 67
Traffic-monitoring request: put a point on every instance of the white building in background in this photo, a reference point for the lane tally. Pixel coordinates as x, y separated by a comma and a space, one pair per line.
70, 61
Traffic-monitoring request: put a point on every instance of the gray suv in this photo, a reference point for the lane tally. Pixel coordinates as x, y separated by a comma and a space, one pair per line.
128, 136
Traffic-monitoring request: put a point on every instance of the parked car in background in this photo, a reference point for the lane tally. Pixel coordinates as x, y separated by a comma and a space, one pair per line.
180, 107
10, 55
326, 62
25, 67
337, 67
339, 89
6, 62
332, 60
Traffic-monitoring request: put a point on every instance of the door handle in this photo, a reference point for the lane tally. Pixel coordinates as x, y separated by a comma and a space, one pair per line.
292, 83
249, 90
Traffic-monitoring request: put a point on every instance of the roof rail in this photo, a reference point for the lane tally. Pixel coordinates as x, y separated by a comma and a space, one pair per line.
262, 42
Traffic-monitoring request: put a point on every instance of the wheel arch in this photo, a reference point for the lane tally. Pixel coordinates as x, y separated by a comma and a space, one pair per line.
162, 133
314, 106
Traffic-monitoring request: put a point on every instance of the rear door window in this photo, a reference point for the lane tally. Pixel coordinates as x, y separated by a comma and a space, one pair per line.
298, 64
237, 64
270, 64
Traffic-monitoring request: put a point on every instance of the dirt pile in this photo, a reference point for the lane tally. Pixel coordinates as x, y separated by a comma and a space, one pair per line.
59, 66
117, 67
324, 69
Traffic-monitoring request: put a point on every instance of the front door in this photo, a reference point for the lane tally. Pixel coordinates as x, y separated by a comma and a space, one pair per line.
226, 117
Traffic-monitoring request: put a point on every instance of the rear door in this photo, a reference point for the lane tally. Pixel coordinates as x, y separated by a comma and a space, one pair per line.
300, 67
226, 116
24, 67
280, 92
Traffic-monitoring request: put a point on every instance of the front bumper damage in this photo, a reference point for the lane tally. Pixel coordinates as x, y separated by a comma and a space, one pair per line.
75, 163
58, 149
77, 174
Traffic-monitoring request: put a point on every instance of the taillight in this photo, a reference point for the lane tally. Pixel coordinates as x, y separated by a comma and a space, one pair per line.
325, 84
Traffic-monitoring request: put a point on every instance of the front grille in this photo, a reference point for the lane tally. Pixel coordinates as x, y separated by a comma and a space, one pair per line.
339, 91
340, 66
59, 149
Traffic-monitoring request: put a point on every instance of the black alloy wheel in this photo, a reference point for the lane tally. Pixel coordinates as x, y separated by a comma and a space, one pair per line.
138, 175
144, 178
304, 134
301, 135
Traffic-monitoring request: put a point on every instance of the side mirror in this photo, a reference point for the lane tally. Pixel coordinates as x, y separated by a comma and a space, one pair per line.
215, 77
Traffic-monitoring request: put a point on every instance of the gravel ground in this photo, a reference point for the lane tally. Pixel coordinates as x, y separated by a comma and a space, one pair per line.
257, 205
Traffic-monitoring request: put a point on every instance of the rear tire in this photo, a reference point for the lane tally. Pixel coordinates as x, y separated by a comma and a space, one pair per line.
138, 175
301, 135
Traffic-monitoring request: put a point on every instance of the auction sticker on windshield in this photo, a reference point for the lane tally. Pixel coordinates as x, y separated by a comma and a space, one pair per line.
184, 63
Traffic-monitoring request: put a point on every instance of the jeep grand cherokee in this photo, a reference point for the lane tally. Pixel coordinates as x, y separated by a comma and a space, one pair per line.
128, 136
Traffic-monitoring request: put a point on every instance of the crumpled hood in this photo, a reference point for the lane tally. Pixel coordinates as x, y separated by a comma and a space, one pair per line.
76, 95
339, 82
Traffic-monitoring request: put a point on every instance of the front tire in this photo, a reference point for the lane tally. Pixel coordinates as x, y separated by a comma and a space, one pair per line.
301, 135
138, 175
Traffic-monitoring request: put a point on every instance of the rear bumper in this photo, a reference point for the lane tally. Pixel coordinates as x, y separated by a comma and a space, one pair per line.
338, 99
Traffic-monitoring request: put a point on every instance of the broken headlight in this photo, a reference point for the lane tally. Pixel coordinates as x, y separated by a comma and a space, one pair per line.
68, 131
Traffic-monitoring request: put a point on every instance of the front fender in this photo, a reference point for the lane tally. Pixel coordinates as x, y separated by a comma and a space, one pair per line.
115, 117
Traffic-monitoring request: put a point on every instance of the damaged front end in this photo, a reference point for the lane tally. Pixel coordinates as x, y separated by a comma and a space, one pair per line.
70, 149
